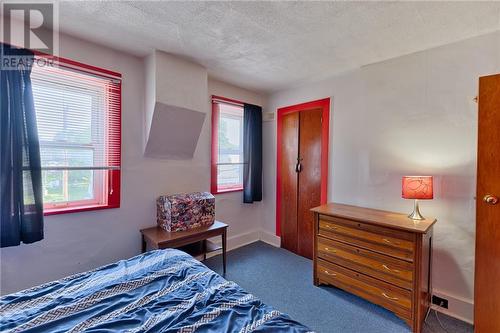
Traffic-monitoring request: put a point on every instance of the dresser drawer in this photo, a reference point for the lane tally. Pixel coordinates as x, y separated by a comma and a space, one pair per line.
399, 244
385, 268
395, 299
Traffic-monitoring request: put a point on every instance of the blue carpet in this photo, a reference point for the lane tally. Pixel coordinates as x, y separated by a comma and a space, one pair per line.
284, 280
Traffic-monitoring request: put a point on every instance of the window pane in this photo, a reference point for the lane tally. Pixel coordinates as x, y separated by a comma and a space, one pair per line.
229, 176
230, 149
51, 156
64, 114
53, 187
67, 185
80, 157
230, 143
72, 157
80, 185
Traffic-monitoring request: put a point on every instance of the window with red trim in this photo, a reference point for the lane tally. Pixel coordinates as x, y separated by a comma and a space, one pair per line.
227, 145
78, 111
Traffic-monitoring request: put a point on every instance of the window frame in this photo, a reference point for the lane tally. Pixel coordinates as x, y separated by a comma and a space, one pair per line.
214, 188
111, 189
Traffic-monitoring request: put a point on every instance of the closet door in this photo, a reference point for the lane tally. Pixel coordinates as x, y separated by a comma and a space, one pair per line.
289, 181
309, 184
487, 277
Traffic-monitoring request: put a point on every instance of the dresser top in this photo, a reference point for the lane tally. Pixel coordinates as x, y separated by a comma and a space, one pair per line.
375, 216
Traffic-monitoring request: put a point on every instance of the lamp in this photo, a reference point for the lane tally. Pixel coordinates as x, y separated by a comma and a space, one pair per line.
417, 188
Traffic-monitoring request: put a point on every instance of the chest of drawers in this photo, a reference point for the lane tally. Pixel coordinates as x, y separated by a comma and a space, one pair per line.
381, 256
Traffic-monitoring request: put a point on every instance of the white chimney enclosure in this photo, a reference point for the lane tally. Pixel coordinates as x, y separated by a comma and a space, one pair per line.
176, 104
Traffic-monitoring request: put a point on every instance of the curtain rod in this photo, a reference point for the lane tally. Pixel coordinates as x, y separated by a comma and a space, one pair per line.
88, 72
81, 67
219, 99
62, 168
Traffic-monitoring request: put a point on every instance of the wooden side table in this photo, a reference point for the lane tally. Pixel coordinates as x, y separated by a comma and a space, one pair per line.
158, 238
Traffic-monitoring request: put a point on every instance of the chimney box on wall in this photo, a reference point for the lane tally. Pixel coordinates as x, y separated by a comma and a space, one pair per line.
176, 104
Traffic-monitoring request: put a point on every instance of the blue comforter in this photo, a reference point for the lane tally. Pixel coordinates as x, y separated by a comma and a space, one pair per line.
160, 291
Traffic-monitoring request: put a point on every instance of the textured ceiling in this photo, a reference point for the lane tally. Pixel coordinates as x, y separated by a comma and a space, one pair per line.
268, 46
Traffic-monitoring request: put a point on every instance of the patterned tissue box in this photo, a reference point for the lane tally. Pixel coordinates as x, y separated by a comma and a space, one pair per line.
180, 212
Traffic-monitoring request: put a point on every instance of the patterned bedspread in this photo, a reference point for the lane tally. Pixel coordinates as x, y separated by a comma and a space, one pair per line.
159, 291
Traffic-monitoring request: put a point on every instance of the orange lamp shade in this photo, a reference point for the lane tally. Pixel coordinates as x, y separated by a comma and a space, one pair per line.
417, 187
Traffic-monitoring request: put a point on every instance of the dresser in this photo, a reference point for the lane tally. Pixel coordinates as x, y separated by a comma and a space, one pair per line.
381, 256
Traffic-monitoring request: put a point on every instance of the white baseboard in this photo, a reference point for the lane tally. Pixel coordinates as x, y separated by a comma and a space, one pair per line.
236, 241
458, 307
270, 238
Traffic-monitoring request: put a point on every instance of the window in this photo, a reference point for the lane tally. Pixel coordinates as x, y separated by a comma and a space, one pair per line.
227, 145
78, 110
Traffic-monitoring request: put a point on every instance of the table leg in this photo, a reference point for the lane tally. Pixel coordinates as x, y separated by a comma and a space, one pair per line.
143, 244
224, 243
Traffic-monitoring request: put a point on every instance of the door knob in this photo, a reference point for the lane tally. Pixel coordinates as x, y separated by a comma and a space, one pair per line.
298, 167
490, 199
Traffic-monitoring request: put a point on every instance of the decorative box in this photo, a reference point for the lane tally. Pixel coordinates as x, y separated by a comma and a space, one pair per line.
180, 212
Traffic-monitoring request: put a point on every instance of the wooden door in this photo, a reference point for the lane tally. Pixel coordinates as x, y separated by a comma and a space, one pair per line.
300, 183
289, 180
309, 193
487, 274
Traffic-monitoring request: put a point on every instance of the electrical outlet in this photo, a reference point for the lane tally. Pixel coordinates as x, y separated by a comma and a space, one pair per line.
442, 302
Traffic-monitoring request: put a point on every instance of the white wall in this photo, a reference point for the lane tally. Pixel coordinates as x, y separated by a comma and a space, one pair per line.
410, 115
81, 241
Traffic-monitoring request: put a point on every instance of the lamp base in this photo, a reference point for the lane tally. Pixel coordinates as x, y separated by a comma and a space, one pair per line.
415, 215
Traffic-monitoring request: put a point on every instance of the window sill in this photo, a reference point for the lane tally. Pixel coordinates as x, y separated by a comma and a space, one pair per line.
229, 190
76, 209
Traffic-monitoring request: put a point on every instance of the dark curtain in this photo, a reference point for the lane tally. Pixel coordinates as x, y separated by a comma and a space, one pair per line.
252, 153
20, 172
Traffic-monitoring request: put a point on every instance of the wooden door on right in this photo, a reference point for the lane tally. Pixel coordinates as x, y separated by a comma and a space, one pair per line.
487, 271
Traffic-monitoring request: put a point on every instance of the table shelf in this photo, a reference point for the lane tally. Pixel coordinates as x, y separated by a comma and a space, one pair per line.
193, 241
197, 249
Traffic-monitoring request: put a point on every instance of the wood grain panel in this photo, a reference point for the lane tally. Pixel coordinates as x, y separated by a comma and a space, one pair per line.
487, 270
423, 281
309, 193
395, 299
289, 181
395, 221
385, 268
386, 241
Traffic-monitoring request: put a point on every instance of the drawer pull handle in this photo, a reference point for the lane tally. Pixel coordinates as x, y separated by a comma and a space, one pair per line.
389, 297
330, 227
328, 273
391, 270
389, 242
330, 250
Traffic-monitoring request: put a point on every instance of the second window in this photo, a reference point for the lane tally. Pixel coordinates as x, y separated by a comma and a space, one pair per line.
227, 149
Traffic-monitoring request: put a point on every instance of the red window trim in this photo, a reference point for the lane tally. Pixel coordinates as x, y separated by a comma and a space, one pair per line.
65, 62
78, 209
113, 176
214, 189
324, 104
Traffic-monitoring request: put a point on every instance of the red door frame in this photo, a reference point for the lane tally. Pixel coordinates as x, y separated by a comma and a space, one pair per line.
323, 104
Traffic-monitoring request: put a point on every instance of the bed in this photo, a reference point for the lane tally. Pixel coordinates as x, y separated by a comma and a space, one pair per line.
159, 291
